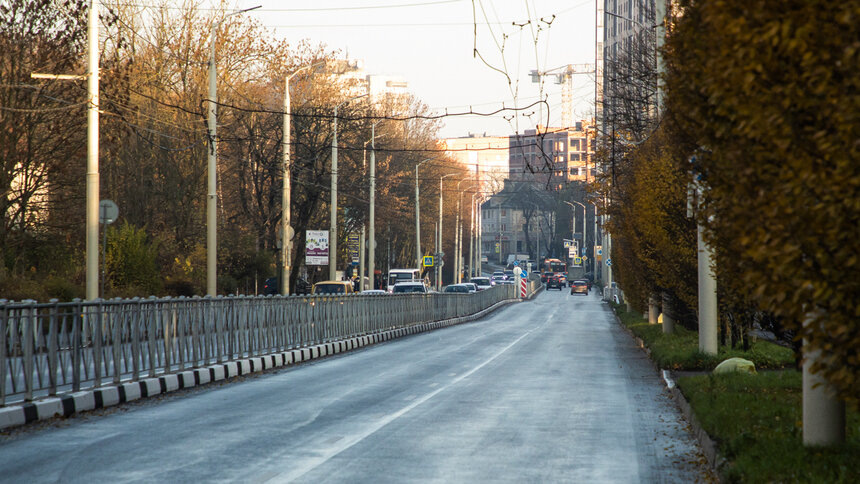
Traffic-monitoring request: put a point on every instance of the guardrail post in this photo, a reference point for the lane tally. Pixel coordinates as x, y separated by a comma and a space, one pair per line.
136, 318
116, 313
52, 347
27, 320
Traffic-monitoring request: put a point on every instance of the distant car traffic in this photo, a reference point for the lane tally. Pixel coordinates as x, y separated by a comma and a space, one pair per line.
458, 288
498, 280
374, 292
579, 287
509, 275
553, 281
333, 287
409, 287
471, 285
481, 282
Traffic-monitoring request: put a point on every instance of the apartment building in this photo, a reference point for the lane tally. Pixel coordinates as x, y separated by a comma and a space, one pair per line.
553, 157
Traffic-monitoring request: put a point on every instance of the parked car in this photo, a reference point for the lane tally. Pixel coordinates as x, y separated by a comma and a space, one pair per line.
333, 287
458, 288
409, 287
579, 287
481, 283
272, 286
553, 281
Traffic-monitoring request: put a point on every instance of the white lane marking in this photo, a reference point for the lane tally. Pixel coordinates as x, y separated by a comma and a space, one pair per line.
346, 443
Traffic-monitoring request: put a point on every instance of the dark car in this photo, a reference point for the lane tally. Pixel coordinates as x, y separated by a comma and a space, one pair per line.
272, 287
579, 287
553, 281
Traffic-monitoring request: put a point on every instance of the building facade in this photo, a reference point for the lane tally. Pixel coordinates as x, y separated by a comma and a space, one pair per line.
553, 157
484, 156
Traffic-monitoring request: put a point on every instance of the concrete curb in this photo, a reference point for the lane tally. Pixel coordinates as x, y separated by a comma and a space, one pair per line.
709, 447
69, 404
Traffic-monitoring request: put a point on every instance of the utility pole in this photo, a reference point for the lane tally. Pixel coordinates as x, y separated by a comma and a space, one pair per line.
212, 167
286, 235
417, 216
332, 251
439, 234
93, 153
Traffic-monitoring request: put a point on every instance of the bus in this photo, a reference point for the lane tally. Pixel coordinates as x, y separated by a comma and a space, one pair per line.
552, 266
401, 275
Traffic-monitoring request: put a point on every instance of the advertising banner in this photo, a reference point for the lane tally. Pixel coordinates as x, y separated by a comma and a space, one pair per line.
316, 247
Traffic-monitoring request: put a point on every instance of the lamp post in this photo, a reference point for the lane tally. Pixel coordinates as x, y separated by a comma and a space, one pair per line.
212, 190
584, 222
417, 216
439, 234
286, 237
458, 235
332, 234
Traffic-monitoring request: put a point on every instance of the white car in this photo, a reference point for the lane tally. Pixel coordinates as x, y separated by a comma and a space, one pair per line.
372, 292
409, 287
471, 285
481, 282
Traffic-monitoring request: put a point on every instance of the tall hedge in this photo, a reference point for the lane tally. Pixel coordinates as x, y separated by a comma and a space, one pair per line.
771, 92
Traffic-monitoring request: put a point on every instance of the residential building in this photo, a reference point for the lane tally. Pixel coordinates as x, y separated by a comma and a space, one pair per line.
553, 157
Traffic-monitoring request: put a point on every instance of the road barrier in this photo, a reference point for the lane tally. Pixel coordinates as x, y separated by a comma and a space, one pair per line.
54, 348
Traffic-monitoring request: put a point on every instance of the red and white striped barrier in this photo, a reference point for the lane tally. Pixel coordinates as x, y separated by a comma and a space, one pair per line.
523, 287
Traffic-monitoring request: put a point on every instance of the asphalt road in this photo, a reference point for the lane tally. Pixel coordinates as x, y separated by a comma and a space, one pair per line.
550, 390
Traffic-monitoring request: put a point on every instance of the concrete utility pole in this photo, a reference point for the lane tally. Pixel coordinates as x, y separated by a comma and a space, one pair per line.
211, 166
458, 234
93, 153
286, 235
332, 231
417, 216
371, 256
439, 234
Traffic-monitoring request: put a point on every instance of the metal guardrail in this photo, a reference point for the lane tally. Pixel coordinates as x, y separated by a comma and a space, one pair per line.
54, 348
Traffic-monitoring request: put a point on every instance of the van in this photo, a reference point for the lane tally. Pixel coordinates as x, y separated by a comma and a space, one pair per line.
401, 275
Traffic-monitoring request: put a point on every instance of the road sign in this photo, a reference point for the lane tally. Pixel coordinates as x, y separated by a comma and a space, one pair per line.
108, 212
609, 262
577, 261
428, 261
518, 271
571, 252
598, 249
567, 243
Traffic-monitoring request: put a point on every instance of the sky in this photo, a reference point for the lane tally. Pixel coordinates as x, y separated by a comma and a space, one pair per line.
430, 43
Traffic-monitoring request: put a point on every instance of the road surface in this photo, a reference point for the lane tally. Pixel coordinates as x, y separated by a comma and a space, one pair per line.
550, 390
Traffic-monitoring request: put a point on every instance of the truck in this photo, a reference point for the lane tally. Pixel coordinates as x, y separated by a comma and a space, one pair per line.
517, 257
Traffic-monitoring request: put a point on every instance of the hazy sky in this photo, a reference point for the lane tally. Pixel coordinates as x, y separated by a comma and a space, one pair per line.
430, 44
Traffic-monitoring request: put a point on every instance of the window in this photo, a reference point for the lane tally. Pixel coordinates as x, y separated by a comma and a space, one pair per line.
503, 227
574, 145
504, 213
574, 157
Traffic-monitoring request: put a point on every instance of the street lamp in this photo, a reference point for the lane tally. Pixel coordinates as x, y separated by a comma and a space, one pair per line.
372, 215
286, 237
458, 235
417, 216
211, 196
439, 234
332, 251
584, 223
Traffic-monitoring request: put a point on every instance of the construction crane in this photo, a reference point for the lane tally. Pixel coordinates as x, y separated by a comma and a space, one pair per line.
564, 75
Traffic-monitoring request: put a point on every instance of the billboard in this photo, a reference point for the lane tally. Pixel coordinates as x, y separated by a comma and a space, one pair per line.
316, 247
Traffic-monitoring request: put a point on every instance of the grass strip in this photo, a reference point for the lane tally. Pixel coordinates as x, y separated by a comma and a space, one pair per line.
756, 421
680, 350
